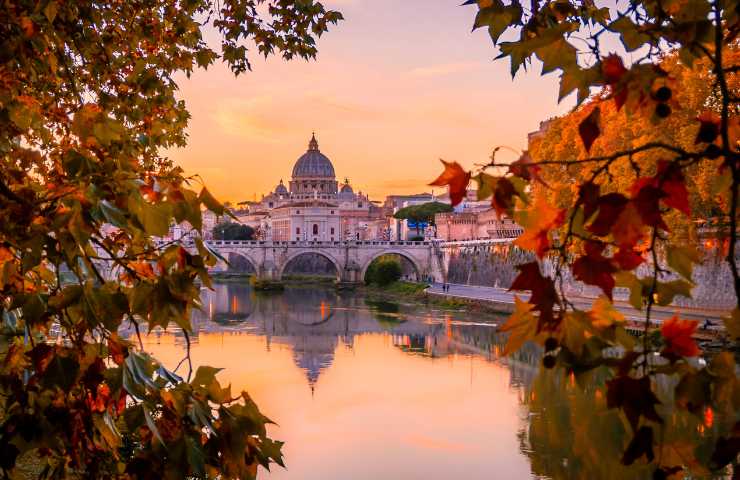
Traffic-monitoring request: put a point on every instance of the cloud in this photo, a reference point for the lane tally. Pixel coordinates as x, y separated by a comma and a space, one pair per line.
443, 69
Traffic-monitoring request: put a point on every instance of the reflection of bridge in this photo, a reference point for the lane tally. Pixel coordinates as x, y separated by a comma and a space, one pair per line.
351, 259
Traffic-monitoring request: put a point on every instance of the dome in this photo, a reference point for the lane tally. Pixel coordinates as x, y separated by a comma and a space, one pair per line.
280, 189
346, 188
346, 192
313, 163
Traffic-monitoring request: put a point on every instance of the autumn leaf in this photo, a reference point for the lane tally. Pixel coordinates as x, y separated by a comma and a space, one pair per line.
589, 129
456, 178
503, 196
539, 222
627, 259
521, 325
525, 168
635, 397
595, 269
544, 296
609, 206
678, 336
641, 445
674, 187
613, 69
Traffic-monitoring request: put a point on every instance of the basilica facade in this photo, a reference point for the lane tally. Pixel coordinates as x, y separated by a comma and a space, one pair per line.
314, 206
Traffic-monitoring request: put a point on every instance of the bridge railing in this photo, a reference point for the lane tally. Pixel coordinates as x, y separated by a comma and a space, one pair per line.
317, 244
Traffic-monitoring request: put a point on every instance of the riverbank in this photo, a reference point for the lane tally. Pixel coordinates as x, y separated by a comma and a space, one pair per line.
418, 292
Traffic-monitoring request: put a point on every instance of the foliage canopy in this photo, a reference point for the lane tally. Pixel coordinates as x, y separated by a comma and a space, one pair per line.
612, 225
233, 231
87, 103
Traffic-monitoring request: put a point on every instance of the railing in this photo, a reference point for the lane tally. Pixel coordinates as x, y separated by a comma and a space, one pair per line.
317, 244
471, 243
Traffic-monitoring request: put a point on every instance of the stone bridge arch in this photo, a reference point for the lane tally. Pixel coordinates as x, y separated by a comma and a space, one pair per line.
228, 253
310, 251
415, 262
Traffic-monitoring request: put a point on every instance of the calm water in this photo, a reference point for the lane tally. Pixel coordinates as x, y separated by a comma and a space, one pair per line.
364, 389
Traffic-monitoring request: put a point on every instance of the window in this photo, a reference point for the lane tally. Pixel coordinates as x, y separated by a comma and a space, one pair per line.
297, 212
332, 212
332, 230
270, 204
315, 229
297, 230
359, 205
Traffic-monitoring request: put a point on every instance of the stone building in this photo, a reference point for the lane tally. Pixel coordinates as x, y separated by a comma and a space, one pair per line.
313, 206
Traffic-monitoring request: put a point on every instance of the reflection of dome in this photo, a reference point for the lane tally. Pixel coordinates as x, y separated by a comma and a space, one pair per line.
313, 163
313, 354
280, 189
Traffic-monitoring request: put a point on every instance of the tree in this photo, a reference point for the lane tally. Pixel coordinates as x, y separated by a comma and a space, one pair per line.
383, 271
422, 213
87, 103
233, 231
615, 215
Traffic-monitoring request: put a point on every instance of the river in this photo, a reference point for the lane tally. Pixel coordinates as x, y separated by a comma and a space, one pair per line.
371, 389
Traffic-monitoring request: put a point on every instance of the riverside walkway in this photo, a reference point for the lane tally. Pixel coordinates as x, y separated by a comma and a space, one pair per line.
505, 299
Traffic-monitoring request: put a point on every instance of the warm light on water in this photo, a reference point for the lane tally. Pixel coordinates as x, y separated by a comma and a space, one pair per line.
356, 400
370, 389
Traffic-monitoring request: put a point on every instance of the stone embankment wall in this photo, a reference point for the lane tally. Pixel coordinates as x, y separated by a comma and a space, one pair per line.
495, 266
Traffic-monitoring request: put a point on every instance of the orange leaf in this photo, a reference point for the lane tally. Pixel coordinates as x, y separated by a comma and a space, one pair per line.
539, 223
456, 178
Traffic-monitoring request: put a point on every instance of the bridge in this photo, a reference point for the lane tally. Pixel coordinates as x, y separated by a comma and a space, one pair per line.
351, 259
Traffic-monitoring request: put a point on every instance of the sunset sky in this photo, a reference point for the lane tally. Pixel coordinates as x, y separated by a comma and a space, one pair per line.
395, 87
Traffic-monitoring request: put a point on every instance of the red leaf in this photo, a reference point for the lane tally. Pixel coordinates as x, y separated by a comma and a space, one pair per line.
678, 336
595, 269
589, 128
628, 259
503, 196
588, 196
456, 178
674, 186
634, 396
610, 206
525, 168
613, 69
641, 444
647, 202
544, 296
117, 349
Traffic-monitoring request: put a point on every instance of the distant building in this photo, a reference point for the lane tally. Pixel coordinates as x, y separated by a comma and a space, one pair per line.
314, 206
475, 225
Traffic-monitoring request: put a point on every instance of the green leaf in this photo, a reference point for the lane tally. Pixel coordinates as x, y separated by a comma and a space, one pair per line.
666, 291
152, 426
156, 218
205, 375
210, 202
50, 11
682, 259
114, 215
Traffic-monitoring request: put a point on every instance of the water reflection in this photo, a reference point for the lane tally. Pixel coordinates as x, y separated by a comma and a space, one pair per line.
366, 389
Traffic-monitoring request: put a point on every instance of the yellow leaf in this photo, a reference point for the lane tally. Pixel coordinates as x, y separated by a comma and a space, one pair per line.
539, 222
603, 314
521, 325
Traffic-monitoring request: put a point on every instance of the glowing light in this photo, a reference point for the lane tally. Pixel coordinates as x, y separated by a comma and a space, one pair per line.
709, 417
234, 304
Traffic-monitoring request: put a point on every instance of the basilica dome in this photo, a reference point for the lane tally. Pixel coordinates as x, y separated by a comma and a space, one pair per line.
281, 189
313, 163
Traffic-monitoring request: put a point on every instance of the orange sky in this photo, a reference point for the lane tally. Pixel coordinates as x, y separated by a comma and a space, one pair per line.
396, 86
